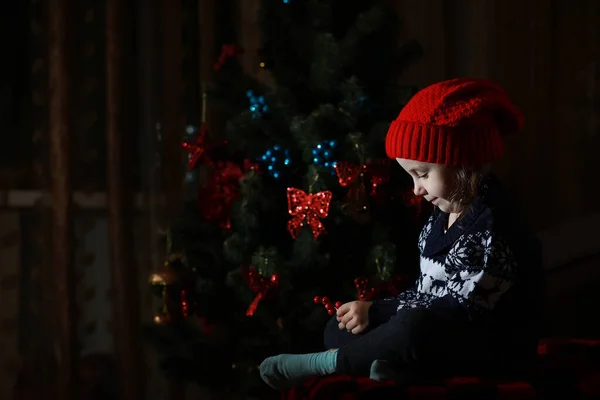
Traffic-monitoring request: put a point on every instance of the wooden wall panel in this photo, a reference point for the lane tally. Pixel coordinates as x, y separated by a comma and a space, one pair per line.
60, 295
10, 249
523, 50
94, 293
592, 106
576, 70
468, 30
171, 107
569, 81
424, 21
545, 54
119, 202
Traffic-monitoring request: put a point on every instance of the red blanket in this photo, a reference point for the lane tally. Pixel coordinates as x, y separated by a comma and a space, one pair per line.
568, 368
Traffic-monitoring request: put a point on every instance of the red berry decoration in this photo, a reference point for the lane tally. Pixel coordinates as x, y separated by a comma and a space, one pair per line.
329, 305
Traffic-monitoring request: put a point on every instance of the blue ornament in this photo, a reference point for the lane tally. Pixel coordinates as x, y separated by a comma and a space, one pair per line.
190, 130
324, 153
190, 177
286, 1
275, 159
258, 105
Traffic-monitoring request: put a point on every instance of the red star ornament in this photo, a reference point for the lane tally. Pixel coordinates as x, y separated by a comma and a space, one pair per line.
197, 149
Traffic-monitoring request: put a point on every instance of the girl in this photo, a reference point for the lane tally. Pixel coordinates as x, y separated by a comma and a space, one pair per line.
476, 304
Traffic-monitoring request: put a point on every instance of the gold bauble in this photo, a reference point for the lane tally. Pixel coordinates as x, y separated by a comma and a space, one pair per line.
164, 276
161, 319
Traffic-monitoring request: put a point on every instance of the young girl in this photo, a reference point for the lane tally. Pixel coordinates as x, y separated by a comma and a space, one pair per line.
476, 304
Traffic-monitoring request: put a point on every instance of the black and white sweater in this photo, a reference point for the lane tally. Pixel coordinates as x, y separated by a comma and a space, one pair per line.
486, 268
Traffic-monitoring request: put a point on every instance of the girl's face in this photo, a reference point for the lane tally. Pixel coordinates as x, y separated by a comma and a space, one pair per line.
435, 182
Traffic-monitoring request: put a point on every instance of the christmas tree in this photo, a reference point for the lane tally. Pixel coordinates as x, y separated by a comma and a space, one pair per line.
295, 202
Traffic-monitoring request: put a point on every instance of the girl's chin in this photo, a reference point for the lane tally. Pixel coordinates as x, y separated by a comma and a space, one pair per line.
448, 208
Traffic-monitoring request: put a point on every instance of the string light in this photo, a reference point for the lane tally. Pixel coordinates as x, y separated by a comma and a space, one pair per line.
276, 158
323, 155
258, 105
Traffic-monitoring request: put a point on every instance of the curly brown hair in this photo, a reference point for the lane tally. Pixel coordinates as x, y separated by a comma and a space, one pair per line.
467, 181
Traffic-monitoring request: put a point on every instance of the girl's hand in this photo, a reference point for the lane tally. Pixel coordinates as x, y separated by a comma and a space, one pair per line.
354, 316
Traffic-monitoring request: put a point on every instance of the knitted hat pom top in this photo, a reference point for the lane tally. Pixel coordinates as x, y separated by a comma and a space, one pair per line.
455, 122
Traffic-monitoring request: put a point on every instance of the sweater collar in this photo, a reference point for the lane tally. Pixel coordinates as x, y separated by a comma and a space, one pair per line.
438, 241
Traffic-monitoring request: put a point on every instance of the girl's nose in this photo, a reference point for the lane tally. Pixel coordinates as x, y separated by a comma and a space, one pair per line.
419, 190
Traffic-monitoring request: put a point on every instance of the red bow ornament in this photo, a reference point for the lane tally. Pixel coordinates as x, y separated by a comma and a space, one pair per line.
263, 287
251, 166
353, 175
216, 199
309, 208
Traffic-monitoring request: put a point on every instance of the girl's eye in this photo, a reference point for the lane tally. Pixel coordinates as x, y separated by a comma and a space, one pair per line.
422, 176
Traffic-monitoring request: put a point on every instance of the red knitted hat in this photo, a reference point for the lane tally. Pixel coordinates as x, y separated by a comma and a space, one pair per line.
455, 122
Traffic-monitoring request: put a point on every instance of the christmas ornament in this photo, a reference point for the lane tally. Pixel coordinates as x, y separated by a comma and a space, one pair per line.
329, 306
357, 177
215, 200
190, 130
258, 104
251, 166
164, 276
227, 51
164, 317
323, 154
354, 175
393, 287
163, 279
363, 290
265, 58
161, 319
275, 158
198, 150
174, 284
183, 301
307, 208
263, 287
